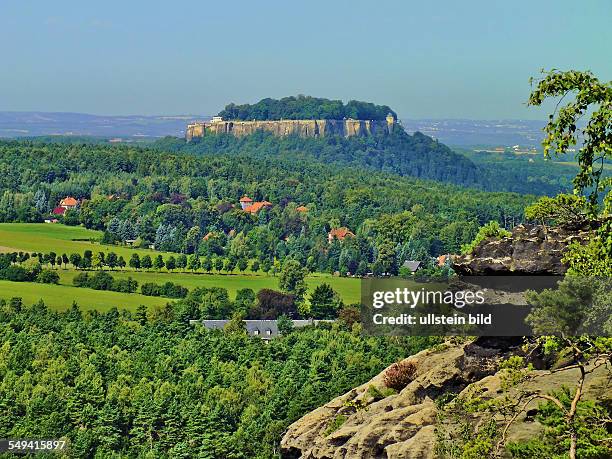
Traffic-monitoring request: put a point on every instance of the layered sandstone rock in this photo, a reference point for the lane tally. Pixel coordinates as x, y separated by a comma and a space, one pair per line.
282, 128
404, 425
531, 249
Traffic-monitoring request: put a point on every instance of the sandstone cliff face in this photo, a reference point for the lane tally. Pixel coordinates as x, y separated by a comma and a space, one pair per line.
302, 128
529, 250
403, 426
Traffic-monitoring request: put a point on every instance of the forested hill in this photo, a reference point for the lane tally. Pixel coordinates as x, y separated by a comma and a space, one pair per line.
414, 155
194, 195
306, 108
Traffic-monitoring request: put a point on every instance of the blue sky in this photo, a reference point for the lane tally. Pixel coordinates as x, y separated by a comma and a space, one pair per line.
426, 59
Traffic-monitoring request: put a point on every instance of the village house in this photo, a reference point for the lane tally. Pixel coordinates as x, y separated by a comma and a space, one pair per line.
339, 233
264, 329
444, 260
69, 203
65, 204
245, 202
412, 266
248, 205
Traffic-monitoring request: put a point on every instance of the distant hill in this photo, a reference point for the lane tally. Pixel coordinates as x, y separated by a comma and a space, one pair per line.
414, 155
467, 133
29, 124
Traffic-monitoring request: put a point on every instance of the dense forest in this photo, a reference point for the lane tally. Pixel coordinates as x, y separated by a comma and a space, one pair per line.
414, 155
125, 384
399, 153
189, 204
524, 173
306, 108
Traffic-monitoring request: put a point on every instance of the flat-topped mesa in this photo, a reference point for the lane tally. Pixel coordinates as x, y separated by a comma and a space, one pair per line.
282, 128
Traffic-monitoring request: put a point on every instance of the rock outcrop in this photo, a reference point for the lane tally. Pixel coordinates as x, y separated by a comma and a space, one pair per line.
404, 425
302, 128
363, 423
530, 250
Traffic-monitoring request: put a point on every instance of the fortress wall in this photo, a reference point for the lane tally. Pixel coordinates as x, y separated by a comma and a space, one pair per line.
282, 128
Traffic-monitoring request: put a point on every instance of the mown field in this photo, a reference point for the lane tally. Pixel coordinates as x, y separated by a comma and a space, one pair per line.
61, 297
44, 237
67, 239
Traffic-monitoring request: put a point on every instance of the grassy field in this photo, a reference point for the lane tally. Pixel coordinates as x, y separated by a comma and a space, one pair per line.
34, 237
44, 237
60, 297
347, 288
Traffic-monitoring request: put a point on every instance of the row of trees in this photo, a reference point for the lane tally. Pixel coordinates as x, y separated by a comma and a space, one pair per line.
110, 260
324, 302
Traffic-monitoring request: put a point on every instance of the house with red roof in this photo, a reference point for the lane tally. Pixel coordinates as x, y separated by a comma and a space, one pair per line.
69, 203
252, 207
340, 234
443, 259
302, 209
245, 202
58, 211
257, 206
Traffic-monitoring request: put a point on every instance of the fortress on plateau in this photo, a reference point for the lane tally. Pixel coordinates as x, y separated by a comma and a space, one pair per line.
303, 128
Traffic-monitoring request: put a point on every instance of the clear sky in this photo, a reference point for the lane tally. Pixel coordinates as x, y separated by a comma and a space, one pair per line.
426, 59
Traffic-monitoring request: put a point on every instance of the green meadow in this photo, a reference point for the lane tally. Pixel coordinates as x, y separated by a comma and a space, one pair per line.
46, 237
61, 297
348, 288
34, 237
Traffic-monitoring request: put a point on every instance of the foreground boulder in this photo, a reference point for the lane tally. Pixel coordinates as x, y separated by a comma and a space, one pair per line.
530, 250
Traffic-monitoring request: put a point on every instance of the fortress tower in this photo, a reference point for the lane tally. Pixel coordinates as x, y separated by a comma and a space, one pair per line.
390, 122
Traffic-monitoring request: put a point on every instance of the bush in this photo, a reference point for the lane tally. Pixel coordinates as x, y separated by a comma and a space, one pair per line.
14, 273
490, 230
81, 280
128, 285
48, 276
399, 375
382, 393
101, 281
104, 281
150, 289
334, 425
169, 290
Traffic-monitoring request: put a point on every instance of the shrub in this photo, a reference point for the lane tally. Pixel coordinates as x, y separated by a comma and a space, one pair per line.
335, 425
48, 276
14, 273
169, 290
101, 281
379, 394
81, 280
490, 230
399, 375
128, 285
149, 289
